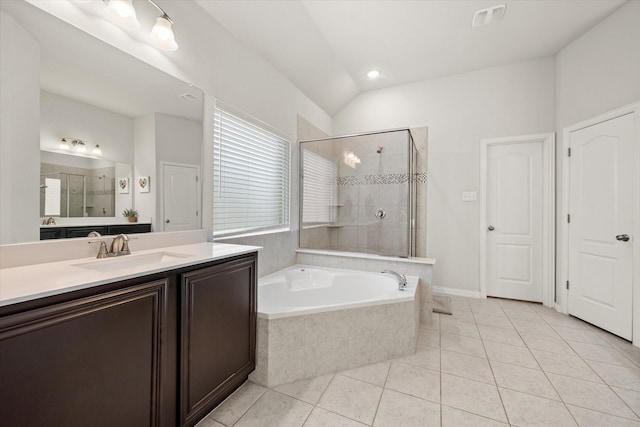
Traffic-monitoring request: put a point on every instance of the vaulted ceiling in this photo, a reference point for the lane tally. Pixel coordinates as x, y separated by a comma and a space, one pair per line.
326, 47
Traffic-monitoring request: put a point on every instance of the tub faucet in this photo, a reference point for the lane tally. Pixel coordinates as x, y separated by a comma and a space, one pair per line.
402, 279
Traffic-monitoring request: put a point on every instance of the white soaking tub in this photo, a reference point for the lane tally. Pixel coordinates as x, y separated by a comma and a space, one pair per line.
313, 321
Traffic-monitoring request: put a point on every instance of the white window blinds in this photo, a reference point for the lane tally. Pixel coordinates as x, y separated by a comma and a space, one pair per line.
251, 175
319, 188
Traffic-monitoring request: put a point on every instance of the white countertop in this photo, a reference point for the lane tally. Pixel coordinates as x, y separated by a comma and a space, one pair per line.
30, 282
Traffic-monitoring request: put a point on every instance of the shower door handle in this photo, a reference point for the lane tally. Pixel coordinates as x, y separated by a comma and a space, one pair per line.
167, 221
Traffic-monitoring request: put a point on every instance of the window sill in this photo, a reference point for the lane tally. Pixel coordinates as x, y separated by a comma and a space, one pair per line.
252, 234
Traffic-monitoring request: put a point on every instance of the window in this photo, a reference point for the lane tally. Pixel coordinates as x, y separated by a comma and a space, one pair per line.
319, 188
251, 175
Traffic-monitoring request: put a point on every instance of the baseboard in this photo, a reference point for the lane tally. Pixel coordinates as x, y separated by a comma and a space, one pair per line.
456, 292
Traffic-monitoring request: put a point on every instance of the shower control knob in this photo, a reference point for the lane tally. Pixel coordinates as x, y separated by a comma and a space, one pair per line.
491, 228
380, 213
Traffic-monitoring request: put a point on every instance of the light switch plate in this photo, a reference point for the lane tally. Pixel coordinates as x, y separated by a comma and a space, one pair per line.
469, 196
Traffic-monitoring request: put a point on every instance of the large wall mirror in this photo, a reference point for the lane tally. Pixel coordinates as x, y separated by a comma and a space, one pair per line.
121, 119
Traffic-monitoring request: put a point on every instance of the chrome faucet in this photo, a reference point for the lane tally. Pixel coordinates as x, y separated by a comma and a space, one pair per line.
402, 279
119, 246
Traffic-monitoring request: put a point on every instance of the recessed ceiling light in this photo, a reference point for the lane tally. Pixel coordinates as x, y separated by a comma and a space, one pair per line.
373, 74
489, 15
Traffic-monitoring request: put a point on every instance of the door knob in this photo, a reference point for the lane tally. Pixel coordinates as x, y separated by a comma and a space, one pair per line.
167, 221
491, 228
622, 237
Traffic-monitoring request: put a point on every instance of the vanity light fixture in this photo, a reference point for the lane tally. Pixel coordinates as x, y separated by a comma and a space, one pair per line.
123, 14
79, 146
373, 74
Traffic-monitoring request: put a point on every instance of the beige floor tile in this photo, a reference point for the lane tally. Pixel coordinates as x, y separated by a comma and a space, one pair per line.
461, 316
472, 396
619, 376
452, 417
630, 397
599, 353
523, 326
503, 336
322, 418
512, 354
275, 409
528, 315
425, 357
374, 374
397, 409
308, 390
557, 319
490, 309
580, 335
229, 411
463, 365
414, 380
429, 337
209, 422
545, 343
459, 328
565, 364
526, 410
351, 398
501, 321
460, 344
589, 418
531, 381
591, 395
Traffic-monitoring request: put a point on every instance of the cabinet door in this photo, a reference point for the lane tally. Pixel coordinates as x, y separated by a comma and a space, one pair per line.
218, 323
84, 231
96, 361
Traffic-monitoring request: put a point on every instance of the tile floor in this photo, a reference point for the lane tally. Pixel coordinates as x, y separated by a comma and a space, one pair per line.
493, 363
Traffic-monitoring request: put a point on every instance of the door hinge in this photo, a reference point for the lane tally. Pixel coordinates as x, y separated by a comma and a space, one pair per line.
569, 152
567, 285
196, 178
196, 213
569, 218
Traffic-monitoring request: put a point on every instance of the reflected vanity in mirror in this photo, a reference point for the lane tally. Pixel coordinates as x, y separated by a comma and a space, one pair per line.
146, 124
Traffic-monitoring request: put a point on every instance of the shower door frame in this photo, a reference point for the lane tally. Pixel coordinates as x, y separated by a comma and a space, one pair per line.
411, 196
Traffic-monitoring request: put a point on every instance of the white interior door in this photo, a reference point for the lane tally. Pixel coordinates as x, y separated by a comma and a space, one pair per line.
180, 197
601, 221
514, 210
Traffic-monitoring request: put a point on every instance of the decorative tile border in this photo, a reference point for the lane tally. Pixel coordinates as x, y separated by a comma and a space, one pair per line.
385, 179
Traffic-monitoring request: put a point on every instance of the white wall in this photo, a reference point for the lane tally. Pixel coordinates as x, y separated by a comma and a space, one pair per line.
598, 72
62, 117
19, 131
459, 110
144, 164
178, 140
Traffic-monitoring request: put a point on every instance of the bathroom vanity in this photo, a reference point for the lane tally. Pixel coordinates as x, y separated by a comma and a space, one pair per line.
48, 232
157, 339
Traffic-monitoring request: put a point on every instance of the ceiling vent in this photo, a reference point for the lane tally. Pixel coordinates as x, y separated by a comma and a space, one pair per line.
489, 15
189, 97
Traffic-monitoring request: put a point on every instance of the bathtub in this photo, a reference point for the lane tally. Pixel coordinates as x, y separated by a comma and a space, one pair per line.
314, 321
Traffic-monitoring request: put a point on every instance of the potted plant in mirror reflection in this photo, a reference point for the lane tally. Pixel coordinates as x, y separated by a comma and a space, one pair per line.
131, 214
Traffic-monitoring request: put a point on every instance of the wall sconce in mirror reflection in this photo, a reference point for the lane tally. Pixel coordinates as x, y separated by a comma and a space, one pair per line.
351, 160
79, 147
123, 14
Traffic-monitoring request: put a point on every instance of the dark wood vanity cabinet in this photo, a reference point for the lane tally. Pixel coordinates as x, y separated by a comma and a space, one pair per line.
160, 350
217, 335
47, 233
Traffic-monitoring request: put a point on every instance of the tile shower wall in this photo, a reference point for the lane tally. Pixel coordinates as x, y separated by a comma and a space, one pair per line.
374, 181
100, 190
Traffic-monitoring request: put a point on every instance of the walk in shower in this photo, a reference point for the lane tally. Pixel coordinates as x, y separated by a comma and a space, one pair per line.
77, 195
358, 193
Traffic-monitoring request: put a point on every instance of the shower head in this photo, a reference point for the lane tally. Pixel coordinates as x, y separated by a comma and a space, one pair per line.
379, 150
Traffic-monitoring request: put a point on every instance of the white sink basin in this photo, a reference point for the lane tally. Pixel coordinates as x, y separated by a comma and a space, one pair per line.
131, 261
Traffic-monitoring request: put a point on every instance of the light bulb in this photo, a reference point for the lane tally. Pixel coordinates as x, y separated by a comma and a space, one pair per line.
122, 13
373, 74
64, 144
162, 34
97, 151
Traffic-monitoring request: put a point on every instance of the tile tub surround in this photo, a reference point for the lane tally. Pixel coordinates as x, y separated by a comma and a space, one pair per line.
521, 384
298, 347
419, 267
